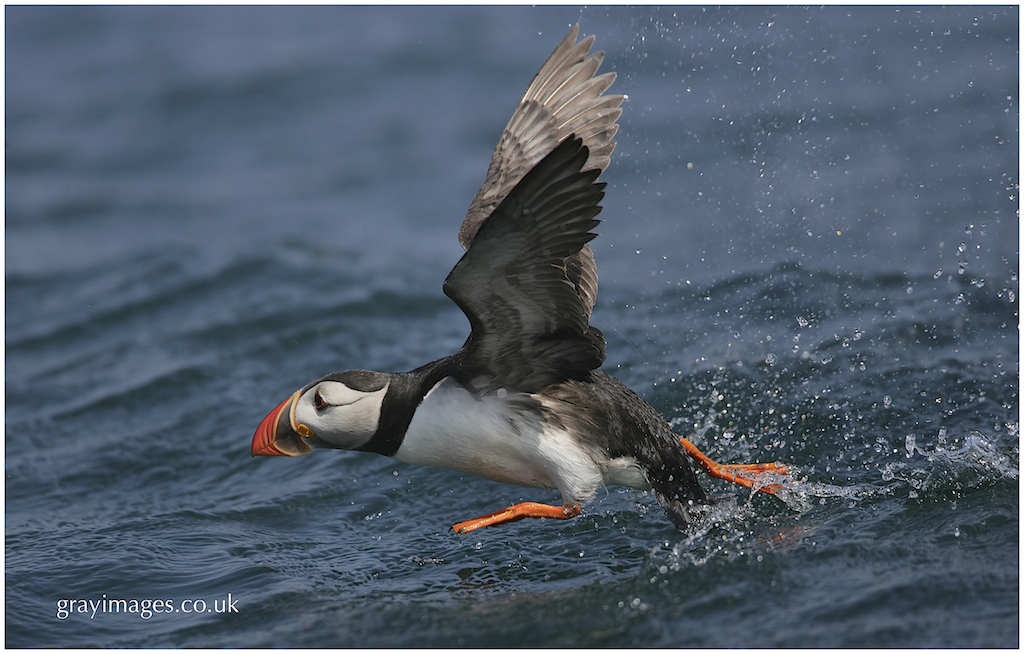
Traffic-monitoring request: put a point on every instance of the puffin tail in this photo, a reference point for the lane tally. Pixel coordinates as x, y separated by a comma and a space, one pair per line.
675, 484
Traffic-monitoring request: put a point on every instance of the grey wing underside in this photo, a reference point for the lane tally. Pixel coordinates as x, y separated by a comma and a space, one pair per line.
564, 98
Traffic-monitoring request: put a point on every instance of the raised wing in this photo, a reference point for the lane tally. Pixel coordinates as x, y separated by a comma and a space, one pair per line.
529, 325
564, 98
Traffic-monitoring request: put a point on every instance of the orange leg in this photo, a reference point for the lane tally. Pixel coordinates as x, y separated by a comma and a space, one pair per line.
518, 512
742, 474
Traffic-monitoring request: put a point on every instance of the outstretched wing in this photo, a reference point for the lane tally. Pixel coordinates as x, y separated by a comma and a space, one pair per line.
529, 325
564, 98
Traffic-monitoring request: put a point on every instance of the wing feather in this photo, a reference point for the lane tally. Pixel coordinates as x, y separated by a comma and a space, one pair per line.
564, 98
530, 327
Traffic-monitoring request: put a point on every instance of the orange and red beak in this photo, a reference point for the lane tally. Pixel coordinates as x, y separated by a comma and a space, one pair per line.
278, 434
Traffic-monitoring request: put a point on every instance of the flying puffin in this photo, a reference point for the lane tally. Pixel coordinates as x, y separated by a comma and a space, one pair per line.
522, 402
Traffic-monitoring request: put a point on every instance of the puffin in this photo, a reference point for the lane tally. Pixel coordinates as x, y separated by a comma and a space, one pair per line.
523, 400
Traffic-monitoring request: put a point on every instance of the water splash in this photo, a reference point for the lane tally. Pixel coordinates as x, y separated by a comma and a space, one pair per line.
735, 526
976, 462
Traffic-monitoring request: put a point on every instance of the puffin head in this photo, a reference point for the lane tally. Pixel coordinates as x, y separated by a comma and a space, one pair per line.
340, 411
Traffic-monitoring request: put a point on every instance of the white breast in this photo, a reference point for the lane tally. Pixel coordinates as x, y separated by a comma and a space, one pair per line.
490, 437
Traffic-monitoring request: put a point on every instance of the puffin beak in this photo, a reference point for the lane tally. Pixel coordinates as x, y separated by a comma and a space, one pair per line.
276, 435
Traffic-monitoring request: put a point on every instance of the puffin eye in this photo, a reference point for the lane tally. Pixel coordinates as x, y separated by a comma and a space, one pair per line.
318, 401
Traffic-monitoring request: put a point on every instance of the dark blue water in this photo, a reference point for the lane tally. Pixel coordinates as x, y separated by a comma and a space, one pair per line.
809, 254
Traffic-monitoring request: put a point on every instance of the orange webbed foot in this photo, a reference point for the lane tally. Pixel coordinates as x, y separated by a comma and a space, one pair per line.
518, 512
742, 474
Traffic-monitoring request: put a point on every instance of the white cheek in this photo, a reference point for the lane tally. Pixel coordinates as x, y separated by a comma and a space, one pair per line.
346, 426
